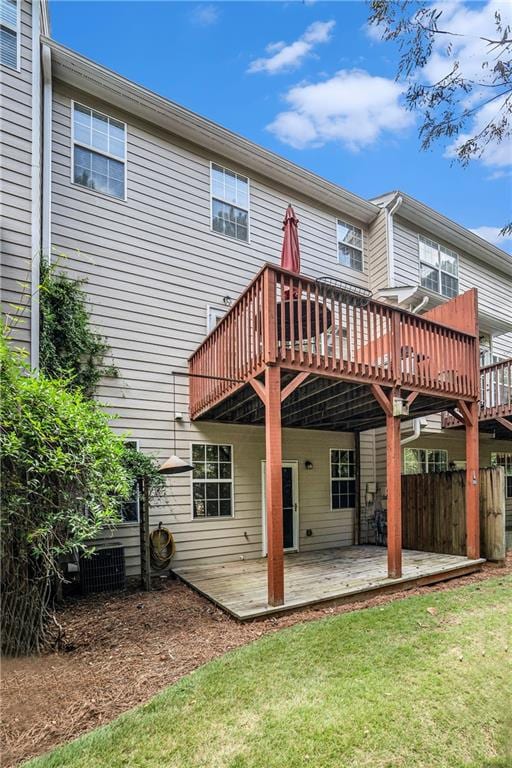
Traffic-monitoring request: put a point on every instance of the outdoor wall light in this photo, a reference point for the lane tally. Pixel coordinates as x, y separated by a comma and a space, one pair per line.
308, 464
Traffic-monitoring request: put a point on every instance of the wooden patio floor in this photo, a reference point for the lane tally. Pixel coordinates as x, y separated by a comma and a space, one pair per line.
340, 574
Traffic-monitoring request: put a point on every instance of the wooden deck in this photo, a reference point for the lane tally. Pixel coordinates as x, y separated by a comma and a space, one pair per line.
338, 574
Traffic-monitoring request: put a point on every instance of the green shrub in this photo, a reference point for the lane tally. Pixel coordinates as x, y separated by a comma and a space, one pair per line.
64, 475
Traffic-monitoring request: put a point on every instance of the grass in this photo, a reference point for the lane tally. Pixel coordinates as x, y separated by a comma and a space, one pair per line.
424, 682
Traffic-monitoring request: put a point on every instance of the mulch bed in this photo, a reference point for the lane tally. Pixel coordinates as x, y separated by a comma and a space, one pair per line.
121, 649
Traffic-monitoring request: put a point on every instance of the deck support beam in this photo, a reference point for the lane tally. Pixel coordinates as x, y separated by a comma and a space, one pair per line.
393, 480
274, 486
469, 412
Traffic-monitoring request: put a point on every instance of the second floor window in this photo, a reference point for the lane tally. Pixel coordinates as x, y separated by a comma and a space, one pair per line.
438, 268
350, 245
230, 203
420, 461
9, 33
99, 152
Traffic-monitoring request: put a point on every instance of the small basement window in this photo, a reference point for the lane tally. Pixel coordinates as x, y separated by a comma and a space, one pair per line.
212, 480
420, 461
350, 245
10, 33
99, 152
230, 203
504, 460
130, 509
343, 478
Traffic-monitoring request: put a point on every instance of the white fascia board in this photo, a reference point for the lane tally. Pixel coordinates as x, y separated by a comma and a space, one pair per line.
94, 79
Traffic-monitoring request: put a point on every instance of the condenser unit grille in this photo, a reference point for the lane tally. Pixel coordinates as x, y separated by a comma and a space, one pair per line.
104, 571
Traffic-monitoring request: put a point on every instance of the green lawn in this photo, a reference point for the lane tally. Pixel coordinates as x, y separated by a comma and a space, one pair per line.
421, 682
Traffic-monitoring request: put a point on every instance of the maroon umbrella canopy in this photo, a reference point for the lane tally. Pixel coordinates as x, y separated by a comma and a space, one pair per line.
290, 254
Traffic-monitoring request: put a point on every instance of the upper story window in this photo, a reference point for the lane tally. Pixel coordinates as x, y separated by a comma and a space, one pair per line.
9, 33
438, 268
230, 203
420, 461
350, 245
99, 152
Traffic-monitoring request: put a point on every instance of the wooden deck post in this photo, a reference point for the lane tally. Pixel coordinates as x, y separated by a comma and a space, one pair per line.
472, 475
394, 506
274, 483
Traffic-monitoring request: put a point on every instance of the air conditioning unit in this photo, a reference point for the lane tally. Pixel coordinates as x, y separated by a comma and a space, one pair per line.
103, 571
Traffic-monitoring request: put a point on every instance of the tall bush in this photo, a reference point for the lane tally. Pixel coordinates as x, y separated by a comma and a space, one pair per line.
63, 478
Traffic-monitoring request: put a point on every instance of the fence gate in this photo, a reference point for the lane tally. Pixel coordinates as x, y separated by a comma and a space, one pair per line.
433, 512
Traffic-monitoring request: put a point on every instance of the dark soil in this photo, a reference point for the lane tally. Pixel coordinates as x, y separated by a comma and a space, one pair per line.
121, 649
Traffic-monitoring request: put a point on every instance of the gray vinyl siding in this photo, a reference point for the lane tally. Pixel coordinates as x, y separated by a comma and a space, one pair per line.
16, 182
494, 287
152, 266
379, 267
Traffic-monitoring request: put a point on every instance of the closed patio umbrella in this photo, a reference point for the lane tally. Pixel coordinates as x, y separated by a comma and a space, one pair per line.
290, 253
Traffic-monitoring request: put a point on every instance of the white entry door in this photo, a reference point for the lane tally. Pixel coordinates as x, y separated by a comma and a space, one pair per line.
290, 471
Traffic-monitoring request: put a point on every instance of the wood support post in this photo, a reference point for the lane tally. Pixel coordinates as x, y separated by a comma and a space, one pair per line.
472, 475
274, 483
394, 510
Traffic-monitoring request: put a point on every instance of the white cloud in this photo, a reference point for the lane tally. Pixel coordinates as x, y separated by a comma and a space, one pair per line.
205, 14
284, 56
492, 234
352, 107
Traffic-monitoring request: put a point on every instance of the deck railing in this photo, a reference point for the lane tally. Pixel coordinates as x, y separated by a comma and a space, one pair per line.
495, 393
305, 324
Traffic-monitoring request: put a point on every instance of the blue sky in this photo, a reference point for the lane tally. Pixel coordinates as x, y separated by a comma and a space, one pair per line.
305, 79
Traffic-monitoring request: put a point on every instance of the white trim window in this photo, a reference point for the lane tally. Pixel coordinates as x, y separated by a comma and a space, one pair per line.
421, 461
504, 460
212, 480
229, 203
343, 478
439, 268
213, 316
350, 245
99, 152
130, 509
10, 33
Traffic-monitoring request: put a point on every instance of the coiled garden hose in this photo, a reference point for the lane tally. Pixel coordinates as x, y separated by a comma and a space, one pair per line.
162, 548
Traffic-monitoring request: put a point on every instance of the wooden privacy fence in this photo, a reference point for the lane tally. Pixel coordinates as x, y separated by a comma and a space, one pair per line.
434, 514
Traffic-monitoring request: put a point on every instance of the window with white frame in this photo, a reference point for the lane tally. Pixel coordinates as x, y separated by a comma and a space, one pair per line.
420, 461
230, 203
213, 317
343, 478
99, 152
130, 509
439, 268
9, 33
504, 460
350, 245
212, 480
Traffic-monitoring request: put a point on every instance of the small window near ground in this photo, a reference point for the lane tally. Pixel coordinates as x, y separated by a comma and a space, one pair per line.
343, 478
9, 33
504, 460
420, 461
212, 480
439, 268
230, 203
130, 509
350, 245
99, 152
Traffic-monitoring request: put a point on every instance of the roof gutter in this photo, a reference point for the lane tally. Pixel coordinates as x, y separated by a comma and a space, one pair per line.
391, 241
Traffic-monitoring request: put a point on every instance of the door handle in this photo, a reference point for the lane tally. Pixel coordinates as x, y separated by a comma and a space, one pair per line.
295, 506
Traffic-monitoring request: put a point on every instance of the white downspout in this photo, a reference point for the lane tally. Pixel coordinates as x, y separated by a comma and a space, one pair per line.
416, 424
391, 246
35, 190
46, 237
